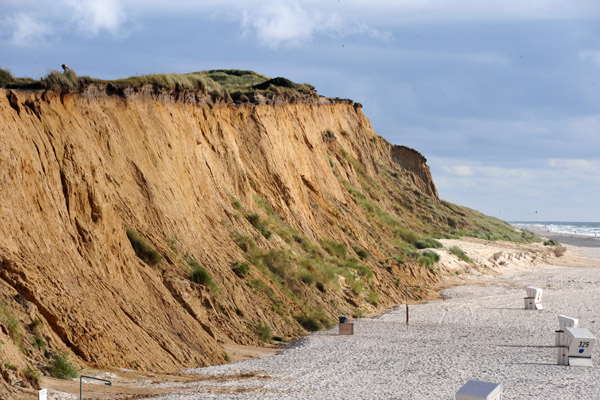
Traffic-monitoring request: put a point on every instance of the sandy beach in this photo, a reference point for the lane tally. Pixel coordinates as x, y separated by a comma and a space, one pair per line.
480, 330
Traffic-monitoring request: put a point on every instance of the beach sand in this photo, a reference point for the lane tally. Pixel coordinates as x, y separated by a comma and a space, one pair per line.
480, 330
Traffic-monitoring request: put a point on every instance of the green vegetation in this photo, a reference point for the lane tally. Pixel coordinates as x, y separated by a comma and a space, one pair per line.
142, 249
309, 322
241, 269
336, 249
428, 244
263, 331
236, 204
372, 297
39, 343
259, 224
8, 80
458, 252
428, 258
244, 242
551, 242
8, 319
62, 368
33, 376
328, 136
9, 365
360, 252
233, 85
59, 80
199, 274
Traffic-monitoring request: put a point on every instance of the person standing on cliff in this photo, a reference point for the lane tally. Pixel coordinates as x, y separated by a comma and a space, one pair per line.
66, 69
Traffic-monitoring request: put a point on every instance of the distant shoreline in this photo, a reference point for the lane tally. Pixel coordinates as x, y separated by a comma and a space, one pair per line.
566, 238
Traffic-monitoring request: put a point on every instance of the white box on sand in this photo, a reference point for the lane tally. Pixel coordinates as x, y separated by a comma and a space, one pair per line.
480, 390
567, 322
577, 349
564, 322
533, 301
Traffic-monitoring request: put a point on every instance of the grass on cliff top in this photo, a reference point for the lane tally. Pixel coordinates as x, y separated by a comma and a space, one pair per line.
232, 84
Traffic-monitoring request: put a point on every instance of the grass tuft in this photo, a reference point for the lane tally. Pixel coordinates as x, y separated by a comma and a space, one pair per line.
241, 269
12, 323
360, 252
259, 224
33, 376
551, 242
458, 252
142, 249
334, 248
62, 368
428, 258
428, 244
199, 274
309, 323
263, 331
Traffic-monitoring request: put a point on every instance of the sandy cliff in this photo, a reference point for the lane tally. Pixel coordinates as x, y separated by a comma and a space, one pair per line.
196, 179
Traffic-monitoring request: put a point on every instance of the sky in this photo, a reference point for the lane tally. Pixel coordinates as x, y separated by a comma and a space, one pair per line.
501, 96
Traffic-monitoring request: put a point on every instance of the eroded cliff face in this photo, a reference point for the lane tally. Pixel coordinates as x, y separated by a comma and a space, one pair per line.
77, 169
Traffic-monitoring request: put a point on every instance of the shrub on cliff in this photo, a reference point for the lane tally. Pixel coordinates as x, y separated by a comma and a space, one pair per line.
142, 249
8, 319
551, 242
458, 252
428, 244
259, 224
58, 80
199, 274
33, 376
7, 80
334, 248
428, 258
62, 368
241, 269
263, 331
309, 323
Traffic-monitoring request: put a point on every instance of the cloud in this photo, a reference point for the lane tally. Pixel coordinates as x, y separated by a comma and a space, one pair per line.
290, 24
279, 23
93, 16
25, 30
564, 189
461, 168
575, 166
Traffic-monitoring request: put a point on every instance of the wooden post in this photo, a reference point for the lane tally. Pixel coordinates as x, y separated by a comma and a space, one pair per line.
406, 291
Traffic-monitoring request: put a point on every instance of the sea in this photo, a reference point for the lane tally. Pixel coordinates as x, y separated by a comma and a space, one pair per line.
575, 228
